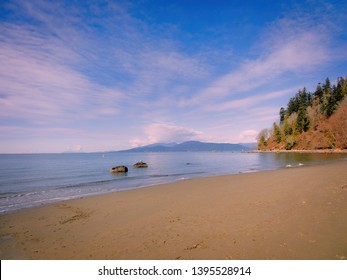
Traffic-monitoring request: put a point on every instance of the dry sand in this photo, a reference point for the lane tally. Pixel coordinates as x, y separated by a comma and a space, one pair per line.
293, 213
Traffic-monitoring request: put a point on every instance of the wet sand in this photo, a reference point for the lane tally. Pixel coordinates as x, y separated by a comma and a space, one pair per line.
293, 213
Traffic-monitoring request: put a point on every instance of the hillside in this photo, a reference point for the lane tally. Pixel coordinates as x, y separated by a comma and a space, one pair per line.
311, 121
190, 146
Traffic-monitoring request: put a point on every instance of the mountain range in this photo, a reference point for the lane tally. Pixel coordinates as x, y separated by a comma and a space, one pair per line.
193, 146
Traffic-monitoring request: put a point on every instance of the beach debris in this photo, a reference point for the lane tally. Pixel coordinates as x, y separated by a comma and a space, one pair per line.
140, 164
196, 246
339, 257
119, 169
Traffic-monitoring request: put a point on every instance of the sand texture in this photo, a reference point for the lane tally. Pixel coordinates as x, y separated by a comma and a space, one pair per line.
293, 213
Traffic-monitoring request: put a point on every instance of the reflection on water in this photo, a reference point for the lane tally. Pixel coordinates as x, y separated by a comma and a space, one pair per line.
306, 158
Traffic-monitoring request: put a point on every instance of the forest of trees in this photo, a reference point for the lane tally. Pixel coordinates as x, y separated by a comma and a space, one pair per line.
311, 121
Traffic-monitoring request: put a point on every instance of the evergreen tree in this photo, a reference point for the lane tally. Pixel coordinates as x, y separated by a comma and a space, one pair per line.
327, 87
282, 115
327, 104
303, 98
332, 97
262, 139
344, 86
293, 105
310, 99
338, 90
277, 133
318, 94
303, 121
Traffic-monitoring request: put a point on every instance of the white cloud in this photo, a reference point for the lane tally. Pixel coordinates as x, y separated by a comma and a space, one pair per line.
76, 148
247, 136
163, 132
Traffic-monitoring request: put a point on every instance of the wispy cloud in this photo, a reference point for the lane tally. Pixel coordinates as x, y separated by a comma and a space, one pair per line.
39, 83
74, 69
66, 66
287, 52
246, 103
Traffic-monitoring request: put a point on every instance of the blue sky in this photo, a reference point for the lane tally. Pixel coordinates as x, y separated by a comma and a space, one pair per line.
109, 75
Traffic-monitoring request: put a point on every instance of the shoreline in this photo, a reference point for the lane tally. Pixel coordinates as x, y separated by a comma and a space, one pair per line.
289, 213
322, 151
61, 199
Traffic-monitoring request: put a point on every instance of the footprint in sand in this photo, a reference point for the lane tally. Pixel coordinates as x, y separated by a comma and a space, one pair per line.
79, 214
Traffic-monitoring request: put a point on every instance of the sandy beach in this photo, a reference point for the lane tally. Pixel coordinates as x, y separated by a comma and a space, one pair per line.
292, 213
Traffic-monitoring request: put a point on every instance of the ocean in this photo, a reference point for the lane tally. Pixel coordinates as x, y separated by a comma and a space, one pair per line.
28, 180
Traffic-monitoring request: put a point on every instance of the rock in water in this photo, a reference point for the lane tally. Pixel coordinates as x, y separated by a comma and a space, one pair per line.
140, 164
119, 169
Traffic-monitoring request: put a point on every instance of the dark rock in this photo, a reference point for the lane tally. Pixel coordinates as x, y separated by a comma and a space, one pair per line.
119, 169
140, 164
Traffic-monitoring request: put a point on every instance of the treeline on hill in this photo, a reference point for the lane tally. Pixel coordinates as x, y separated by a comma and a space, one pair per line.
311, 121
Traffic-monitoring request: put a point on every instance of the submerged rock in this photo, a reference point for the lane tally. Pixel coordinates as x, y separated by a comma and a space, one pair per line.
140, 164
119, 169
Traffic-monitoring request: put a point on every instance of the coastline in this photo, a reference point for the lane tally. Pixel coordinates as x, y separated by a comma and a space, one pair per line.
322, 151
293, 213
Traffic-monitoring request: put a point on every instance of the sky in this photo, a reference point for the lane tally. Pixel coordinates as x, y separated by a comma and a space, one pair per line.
110, 75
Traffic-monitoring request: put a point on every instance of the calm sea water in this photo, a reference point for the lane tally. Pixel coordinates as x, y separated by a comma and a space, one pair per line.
34, 179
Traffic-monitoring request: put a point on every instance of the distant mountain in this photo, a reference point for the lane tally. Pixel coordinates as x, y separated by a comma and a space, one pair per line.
190, 146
